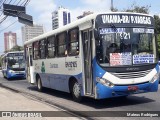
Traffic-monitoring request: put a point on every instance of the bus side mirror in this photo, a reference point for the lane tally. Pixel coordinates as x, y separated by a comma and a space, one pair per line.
96, 34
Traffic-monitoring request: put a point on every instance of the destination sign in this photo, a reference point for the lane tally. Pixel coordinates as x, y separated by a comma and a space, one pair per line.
14, 54
124, 19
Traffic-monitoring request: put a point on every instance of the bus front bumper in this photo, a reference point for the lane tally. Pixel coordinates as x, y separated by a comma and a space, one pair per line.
124, 90
16, 75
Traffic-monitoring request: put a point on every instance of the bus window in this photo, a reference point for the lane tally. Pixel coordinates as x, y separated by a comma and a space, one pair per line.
42, 49
36, 50
73, 46
61, 40
51, 47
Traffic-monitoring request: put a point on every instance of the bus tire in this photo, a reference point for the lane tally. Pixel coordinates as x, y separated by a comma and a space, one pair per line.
39, 84
76, 91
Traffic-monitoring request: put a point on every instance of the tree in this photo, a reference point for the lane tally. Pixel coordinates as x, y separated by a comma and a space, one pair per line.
138, 9
134, 8
17, 48
157, 30
114, 9
157, 24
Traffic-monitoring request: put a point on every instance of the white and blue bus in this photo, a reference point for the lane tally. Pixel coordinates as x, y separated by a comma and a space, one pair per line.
100, 56
13, 65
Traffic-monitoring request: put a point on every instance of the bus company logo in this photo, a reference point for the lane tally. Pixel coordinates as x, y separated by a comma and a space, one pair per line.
132, 69
43, 67
53, 65
71, 64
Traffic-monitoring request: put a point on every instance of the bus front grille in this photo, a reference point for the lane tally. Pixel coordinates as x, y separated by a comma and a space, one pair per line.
130, 75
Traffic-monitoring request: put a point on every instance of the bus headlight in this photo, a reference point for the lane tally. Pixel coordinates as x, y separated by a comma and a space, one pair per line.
11, 71
156, 77
104, 82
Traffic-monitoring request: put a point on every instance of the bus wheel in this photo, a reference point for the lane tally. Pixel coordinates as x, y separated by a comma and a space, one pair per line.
76, 92
39, 84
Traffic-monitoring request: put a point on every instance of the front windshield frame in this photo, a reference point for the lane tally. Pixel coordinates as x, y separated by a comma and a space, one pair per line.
131, 56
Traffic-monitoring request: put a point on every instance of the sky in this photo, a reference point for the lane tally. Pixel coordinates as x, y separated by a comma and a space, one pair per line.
41, 11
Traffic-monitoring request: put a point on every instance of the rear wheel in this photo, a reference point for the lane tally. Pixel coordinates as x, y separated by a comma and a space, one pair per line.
39, 84
76, 92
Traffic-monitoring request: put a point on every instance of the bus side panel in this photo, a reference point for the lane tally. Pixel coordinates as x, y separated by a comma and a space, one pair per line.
55, 73
58, 81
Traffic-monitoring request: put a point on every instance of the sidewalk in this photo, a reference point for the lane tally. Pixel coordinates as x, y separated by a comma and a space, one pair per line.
11, 101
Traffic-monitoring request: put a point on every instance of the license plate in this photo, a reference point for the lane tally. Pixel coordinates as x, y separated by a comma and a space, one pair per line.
132, 88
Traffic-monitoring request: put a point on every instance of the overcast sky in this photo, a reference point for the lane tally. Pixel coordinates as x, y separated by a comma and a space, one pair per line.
41, 11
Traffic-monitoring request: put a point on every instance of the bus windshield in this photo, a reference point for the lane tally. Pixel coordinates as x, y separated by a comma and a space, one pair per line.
125, 46
16, 62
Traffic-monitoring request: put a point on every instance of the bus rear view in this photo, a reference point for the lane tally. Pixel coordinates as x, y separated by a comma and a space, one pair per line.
126, 55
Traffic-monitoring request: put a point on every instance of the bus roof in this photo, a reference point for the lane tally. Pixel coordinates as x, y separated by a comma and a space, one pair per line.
75, 24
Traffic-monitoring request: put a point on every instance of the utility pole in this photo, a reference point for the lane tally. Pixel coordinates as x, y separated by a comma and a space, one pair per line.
112, 5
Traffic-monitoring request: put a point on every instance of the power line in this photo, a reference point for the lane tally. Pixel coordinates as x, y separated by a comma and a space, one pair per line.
3, 19
8, 26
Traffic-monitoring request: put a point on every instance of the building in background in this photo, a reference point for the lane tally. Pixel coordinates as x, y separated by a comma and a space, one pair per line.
29, 32
10, 40
85, 14
60, 17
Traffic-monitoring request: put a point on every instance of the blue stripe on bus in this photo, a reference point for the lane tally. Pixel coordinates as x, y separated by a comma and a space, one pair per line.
157, 68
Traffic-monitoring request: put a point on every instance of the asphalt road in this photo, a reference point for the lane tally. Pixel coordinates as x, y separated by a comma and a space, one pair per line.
140, 102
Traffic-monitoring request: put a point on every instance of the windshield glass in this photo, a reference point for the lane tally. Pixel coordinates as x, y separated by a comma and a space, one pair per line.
16, 62
126, 46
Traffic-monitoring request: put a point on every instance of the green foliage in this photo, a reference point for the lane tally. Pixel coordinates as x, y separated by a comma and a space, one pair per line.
157, 24
157, 30
17, 48
158, 41
138, 9
114, 9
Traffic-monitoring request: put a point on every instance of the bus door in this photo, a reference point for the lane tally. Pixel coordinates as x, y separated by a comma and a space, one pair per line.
87, 54
30, 68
